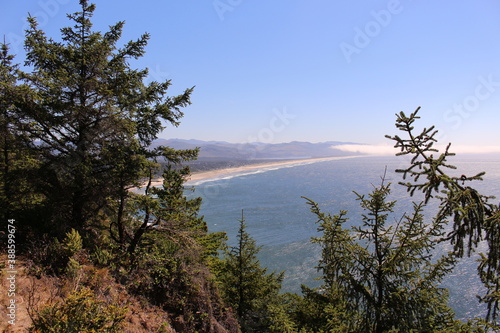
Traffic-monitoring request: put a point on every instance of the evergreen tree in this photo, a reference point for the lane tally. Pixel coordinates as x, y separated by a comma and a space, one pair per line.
90, 118
473, 217
168, 211
171, 255
247, 286
17, 198
384, 277
90, 121
7, 83
320, 310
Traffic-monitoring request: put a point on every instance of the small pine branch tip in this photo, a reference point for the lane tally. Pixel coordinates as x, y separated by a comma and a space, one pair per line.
423, 163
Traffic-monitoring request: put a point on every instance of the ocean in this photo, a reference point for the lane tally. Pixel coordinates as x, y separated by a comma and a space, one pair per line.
280, 221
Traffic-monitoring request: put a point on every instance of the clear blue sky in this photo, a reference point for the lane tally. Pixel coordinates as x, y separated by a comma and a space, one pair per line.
316, 70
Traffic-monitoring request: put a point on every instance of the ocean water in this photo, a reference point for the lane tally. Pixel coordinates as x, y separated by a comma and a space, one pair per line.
280, 221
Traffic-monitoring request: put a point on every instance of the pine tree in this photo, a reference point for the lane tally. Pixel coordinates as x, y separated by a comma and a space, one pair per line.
90, 121
17, 198
247, 286
7, 82
168, 211
171, 255
90, 118
473, 217
384, 276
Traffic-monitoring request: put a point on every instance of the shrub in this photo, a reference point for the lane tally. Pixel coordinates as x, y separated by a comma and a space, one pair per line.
72, 243
72, 268
61, 257
102, 257
81, 311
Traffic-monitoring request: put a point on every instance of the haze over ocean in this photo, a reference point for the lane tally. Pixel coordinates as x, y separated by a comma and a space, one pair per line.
279, 219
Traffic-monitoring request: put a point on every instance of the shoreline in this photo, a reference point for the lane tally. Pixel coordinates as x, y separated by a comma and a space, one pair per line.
217, 173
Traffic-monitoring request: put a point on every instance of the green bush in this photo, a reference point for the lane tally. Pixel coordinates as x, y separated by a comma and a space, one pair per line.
81, 311
102, 256
58, 254
72, 243
72, 268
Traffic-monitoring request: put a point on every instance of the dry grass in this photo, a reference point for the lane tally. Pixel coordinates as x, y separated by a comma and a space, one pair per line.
34, 293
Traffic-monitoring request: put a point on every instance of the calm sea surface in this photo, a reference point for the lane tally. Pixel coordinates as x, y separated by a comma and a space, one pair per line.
279, 219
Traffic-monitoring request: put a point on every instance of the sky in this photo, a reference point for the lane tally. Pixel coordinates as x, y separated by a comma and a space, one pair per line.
317, 70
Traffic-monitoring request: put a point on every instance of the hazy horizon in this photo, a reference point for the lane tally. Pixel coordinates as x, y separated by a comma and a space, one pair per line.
371, 149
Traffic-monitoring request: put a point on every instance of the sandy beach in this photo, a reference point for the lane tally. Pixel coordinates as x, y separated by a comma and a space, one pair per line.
197, 176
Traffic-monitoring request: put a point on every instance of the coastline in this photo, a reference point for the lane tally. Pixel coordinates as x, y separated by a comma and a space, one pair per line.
217, 173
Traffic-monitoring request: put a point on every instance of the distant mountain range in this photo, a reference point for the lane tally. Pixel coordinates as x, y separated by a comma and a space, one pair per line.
219, 150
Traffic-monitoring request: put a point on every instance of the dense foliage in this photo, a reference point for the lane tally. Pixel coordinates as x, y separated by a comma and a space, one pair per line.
249, 289
385, 274
77, 126
81, 311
